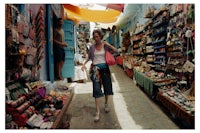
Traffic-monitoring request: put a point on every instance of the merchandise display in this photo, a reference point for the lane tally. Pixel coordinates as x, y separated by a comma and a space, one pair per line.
24, 45
156, 49
37, 108
164, 49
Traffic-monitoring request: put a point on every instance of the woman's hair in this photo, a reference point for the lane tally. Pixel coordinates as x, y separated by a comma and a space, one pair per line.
98, 32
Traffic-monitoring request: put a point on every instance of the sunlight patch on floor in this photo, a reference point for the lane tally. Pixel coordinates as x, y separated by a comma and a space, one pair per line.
122, 113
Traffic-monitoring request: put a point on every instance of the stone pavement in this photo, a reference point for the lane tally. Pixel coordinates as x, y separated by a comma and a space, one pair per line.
130, 107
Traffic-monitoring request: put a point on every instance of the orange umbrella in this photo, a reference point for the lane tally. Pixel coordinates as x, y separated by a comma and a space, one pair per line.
83, 14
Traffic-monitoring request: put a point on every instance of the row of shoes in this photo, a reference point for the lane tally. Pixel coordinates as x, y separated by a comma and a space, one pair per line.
159, 30
160, 50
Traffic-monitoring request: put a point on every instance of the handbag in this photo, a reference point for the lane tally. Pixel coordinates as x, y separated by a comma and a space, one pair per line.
110, 60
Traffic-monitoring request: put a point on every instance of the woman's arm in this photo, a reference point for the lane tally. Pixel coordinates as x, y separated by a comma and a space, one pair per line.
110, 46
83, 66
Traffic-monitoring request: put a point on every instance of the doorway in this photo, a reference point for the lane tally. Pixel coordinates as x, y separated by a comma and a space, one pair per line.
68, 27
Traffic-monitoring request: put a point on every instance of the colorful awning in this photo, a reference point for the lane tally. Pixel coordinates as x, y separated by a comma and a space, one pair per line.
82, 14
119, 7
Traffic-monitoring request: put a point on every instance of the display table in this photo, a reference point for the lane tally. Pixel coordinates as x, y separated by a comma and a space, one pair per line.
38, 109
145, 82
66, 103
59, 118
176, 109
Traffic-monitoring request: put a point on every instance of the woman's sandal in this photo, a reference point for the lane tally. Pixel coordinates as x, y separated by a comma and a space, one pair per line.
97, 117
106, 109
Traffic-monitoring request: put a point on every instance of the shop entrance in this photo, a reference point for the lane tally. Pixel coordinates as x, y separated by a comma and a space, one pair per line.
68, 27
68, 68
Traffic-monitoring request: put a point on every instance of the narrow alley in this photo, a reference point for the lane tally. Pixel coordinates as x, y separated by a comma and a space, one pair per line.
144, 53
130, 107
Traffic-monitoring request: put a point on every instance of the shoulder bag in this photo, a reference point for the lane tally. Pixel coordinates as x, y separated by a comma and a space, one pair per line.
110, 60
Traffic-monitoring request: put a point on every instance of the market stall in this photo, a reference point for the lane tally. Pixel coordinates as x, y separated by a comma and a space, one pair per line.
39, 106
179, 107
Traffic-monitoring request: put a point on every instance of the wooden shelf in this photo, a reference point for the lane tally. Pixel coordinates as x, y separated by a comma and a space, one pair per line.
159, 13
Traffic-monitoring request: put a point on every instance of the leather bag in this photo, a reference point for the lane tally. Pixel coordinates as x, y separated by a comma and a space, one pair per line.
110, 60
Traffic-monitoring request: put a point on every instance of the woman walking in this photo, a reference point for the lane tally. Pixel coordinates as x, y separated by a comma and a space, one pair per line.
99, 71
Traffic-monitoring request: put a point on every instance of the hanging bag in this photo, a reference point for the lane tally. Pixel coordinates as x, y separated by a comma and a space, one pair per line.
110, 60
26, 29
31, 33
